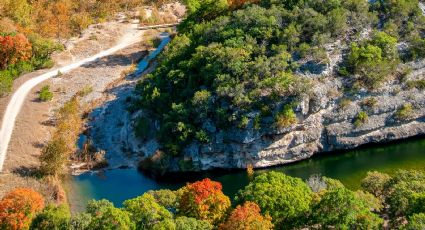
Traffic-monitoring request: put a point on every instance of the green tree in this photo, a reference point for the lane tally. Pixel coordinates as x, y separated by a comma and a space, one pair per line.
105, 216
406, 193
53, 156
52, 218
375, 183
146, 212
341, 209
183, 223
417, 221
284, 198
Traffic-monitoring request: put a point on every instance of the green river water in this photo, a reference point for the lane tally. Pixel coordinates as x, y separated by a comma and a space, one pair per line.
348, 166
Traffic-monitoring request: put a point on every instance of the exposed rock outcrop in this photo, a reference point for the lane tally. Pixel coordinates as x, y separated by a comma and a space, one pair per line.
326, 123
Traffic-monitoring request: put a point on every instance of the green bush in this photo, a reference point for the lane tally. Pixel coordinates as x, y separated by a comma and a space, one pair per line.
286, 117
361, 119
6, 83
45, 94
405, 112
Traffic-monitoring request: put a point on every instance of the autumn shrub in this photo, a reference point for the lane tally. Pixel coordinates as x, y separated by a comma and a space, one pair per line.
247, 217
204, 200
18, 207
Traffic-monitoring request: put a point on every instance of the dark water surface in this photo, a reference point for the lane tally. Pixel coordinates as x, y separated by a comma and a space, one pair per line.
349, 167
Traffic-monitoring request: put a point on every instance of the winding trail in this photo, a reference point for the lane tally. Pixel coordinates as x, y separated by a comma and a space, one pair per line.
18, 98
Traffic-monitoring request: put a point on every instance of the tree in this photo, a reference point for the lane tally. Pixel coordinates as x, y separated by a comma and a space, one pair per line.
53, 156
417, 221
165, 198
105, 216
18, 208
247, 217
183, 223
341, 209
14, 48
52, 218
146, 212
375, 183
284, 198
406, 193
204, 200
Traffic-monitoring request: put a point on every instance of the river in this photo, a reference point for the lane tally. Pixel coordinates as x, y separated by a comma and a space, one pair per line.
349, 167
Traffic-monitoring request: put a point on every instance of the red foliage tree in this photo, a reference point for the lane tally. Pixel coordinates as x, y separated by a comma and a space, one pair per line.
247, 217
18, 207
13, 49
204, 200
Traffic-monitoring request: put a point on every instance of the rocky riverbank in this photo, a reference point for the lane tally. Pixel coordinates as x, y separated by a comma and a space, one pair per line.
326, 122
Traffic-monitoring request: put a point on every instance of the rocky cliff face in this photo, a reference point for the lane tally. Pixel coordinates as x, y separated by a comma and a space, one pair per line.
326, 118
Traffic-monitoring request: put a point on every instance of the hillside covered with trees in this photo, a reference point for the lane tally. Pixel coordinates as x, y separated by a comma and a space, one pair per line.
271, 201
241, 72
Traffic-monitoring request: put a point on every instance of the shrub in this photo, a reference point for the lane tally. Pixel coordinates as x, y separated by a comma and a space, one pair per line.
344, 103
370, 102
404, 113
6, 83
18, 208
418, 84
243, 124
45, 94
286, 117
361, 119
53, 156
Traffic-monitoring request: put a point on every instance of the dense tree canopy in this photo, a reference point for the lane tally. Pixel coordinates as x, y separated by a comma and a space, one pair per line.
234, 66
247, 217
204, 200
19, 207
284, 198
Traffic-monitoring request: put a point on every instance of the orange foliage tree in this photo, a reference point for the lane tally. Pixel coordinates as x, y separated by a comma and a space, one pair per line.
18, 207
204, 200
14, 48
247, 217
